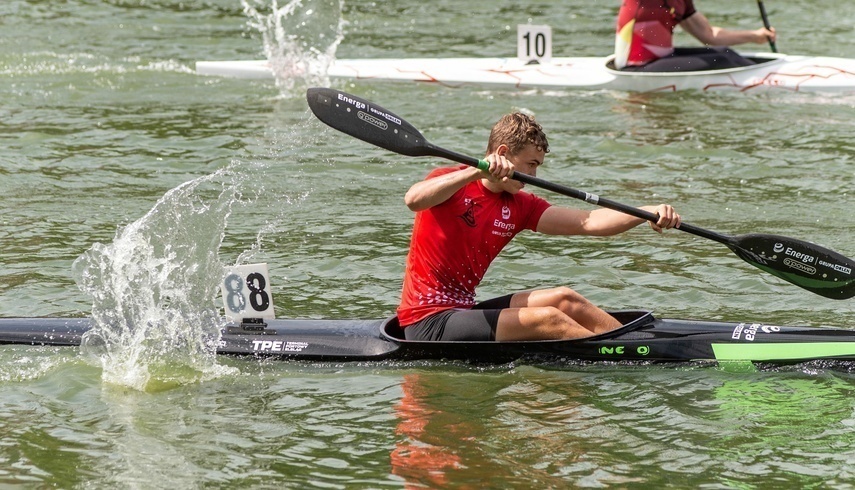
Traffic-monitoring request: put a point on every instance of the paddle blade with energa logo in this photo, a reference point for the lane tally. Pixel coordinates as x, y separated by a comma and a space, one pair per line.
367, 121
809, 266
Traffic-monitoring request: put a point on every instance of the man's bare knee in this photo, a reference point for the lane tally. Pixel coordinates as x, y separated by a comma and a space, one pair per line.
569, 301
559, 325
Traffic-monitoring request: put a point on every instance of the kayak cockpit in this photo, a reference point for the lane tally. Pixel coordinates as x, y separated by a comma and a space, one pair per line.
630, 320
759, 59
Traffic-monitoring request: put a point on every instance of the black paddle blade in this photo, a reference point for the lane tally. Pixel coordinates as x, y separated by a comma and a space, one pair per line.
817, 269
367, 121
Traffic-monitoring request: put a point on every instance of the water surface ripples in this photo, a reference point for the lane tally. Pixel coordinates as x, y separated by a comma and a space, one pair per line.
103, 116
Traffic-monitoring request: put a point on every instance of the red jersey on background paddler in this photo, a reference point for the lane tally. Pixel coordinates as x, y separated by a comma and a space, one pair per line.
645, 29
645, 33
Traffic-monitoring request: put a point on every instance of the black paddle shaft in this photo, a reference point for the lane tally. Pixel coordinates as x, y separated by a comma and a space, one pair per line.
804, 264
766, 24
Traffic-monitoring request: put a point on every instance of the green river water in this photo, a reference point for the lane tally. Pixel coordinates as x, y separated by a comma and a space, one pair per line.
127, 182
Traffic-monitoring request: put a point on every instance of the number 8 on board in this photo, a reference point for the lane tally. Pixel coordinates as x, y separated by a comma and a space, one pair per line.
246, 292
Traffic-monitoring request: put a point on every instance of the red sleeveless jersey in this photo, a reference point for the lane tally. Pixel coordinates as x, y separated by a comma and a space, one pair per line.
645, 29
454, 242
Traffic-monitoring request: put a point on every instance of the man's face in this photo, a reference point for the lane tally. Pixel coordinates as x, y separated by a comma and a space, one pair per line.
526, 162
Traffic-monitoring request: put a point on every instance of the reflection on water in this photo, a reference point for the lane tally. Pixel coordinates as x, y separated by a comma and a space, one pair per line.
488, 428
787, 421
591, 426
415, 458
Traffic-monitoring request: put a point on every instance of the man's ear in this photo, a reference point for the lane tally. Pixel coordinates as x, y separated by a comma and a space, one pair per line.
502, 150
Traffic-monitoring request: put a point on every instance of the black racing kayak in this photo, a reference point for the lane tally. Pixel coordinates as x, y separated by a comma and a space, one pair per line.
642, 337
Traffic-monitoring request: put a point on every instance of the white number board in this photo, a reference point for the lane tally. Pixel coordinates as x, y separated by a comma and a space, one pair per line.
246, 292
534, 43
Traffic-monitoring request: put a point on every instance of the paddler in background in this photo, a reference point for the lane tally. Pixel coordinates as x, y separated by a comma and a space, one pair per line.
465, 217
645, 31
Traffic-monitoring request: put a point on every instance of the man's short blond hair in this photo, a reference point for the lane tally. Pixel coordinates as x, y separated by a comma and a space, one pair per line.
517, 130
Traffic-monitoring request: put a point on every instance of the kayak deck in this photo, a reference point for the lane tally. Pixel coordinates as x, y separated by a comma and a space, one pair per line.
642, 338
772, 71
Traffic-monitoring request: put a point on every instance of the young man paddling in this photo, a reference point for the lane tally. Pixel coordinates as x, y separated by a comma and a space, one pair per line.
465, 217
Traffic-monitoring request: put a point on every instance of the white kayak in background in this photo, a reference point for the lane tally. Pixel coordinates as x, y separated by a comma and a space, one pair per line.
773, 71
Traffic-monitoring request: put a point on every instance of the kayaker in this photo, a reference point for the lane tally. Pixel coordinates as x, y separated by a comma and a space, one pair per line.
645, 30
465, 217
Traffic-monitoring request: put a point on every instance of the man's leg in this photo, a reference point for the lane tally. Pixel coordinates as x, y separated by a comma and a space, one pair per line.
558, 313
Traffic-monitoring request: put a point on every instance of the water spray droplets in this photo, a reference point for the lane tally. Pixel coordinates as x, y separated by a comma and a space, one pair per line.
300, 39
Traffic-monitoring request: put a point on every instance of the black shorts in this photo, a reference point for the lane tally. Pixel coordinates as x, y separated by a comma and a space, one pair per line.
479, 323
695, 59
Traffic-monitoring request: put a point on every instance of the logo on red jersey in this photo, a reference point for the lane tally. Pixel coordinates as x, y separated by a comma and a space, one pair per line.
468, 216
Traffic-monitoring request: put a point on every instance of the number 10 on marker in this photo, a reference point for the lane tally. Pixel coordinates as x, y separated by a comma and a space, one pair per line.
246, 292
534, 43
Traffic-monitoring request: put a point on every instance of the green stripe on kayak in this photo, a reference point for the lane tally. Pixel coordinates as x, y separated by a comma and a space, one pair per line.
782, 351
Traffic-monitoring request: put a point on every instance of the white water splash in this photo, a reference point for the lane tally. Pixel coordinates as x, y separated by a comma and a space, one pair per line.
156, 311
154, 288
300, 39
